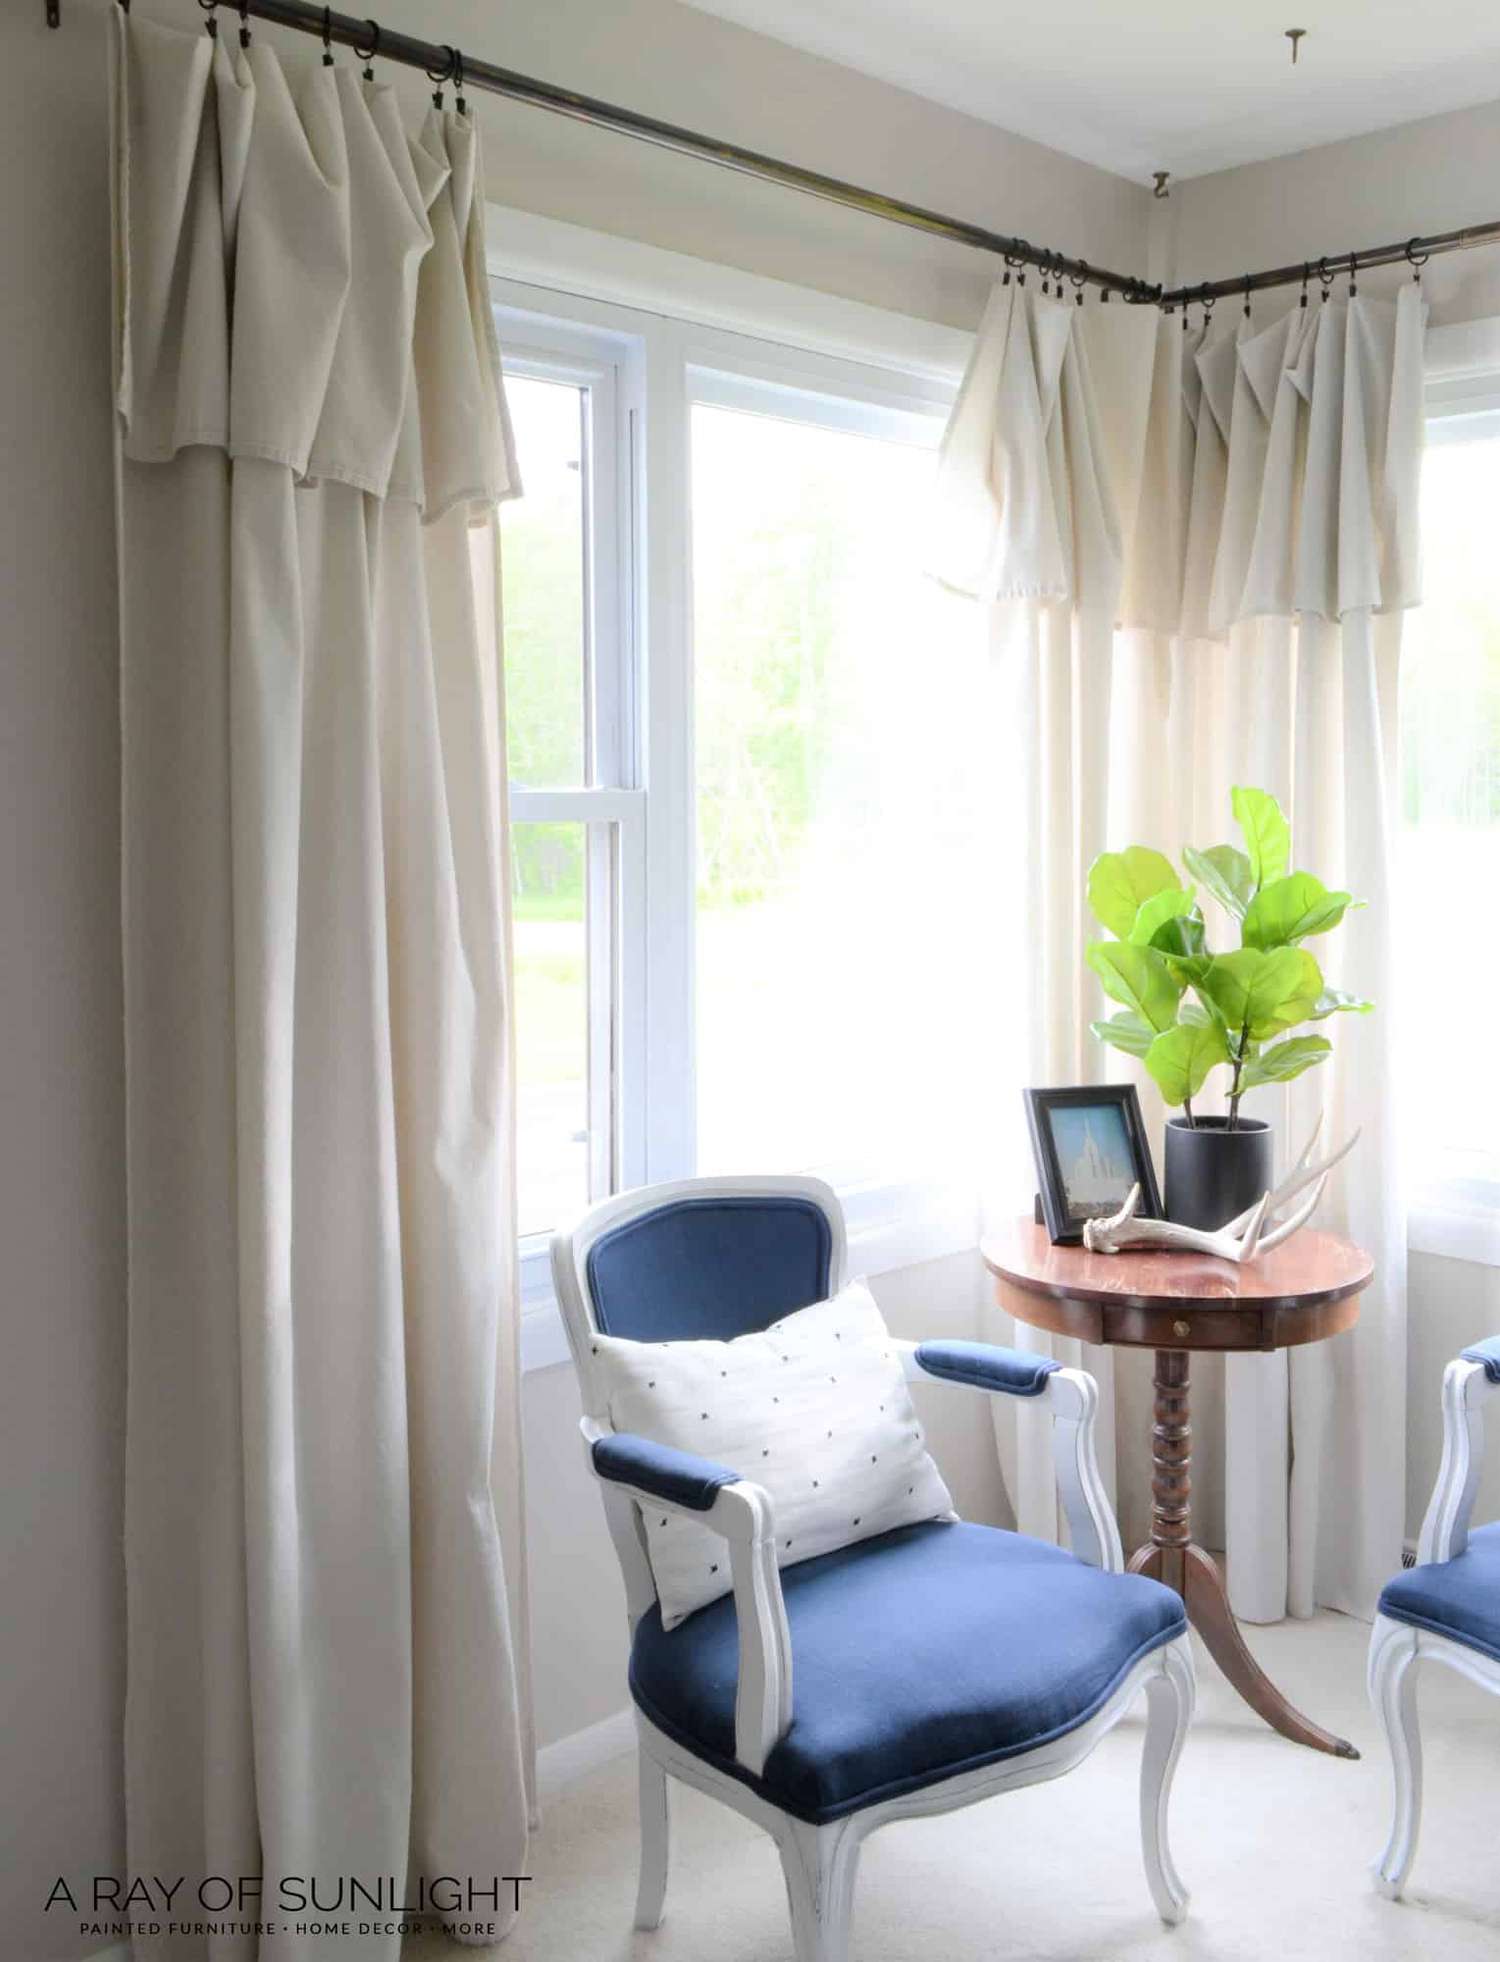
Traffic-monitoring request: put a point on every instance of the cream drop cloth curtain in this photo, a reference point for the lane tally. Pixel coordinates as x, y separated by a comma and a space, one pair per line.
1194, 549
323, 1483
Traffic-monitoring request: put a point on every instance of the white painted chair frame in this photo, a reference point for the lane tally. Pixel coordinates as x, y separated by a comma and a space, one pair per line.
1396, 1647
819, 1861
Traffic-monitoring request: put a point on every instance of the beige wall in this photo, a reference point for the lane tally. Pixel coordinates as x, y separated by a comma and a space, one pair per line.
1431, 176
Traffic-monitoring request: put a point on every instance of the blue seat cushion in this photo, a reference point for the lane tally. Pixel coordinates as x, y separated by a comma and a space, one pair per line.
1459, 1598
916, 1655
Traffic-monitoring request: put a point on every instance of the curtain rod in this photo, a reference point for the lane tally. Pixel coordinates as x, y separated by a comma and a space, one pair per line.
438, 60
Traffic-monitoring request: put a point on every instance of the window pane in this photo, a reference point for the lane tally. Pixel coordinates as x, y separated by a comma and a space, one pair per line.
1450, 735
837, 779
552, 1022
544, 586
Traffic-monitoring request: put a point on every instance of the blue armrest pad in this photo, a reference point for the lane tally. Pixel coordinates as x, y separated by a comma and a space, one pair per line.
678, 1476
1488, 1353
988, 1367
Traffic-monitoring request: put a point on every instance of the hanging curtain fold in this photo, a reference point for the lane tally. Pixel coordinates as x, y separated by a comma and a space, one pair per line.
1194, 548
325, 1608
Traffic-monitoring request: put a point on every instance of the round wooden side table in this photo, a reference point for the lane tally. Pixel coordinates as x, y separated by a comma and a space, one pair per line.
1176, 1303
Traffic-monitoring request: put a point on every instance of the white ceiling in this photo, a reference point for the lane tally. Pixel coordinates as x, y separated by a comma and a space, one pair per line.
1142, 85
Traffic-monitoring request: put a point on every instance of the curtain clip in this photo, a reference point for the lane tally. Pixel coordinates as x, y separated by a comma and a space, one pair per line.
367, 55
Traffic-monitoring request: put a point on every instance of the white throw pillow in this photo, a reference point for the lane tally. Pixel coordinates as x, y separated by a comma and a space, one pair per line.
814, 1409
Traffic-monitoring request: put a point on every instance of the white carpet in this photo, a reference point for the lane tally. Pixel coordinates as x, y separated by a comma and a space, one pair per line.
1274, 1841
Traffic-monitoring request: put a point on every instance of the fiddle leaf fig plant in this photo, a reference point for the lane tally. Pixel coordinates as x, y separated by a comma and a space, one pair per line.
1189, 1011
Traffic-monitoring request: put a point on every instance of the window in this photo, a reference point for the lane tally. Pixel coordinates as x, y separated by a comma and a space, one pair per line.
1450, 789
835, 833
744, 764
564, 589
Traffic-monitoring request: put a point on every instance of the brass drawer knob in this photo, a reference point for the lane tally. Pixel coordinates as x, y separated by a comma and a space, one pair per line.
1182, 1328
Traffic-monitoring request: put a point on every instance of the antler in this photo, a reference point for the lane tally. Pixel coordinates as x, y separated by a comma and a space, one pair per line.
1240, 1238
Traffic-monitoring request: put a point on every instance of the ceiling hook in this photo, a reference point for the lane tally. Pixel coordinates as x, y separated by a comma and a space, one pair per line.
1159, 181
367, 55
1294, 35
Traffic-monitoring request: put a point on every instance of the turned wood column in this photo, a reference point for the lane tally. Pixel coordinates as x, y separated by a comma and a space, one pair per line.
1171, 1460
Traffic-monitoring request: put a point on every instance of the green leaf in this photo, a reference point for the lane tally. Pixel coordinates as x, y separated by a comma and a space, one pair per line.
1196, 1015
1335, 1001
1156, 914
1138, 979
1286, 1060
1263, 993
1225, 873
1181, 1058
1120, 881
1268, 837
1127, 1032
1289, 909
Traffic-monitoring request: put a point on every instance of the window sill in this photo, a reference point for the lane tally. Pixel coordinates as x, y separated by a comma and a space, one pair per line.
890, 1227
1458, 1218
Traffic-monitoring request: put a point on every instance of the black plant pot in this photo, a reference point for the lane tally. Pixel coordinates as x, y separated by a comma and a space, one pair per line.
1213, 1172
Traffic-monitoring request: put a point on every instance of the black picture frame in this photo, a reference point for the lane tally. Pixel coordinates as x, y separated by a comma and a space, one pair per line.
1064, 1210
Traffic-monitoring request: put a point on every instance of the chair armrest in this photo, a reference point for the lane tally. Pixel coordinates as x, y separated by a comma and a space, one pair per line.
1071, 1398
651, 1474
986, 1366
680, 1477
1468, 1384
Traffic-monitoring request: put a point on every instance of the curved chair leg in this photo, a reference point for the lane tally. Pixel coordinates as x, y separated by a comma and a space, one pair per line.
1169, 1710
655, 1843
819, 1864
1393, 1691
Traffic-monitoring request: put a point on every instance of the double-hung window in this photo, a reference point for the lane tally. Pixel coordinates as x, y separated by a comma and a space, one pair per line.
1448, 939
746, 761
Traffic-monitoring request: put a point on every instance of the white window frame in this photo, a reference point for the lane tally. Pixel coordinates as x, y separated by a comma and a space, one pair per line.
1451, 1215
573, 318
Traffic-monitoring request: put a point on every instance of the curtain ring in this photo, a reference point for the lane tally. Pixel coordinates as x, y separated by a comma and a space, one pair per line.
367, 55
1247, 296
1416, 260
1325, 278
244, 23
458, 82
328, 37
212, 23
1208, 301
1079, 280
1023, 259
1353, 268
440, 75
1303, 301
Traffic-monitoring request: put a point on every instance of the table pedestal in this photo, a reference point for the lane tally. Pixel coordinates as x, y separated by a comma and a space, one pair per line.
1173, 1557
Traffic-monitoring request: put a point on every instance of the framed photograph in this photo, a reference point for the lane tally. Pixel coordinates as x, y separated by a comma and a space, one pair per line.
1090, 1147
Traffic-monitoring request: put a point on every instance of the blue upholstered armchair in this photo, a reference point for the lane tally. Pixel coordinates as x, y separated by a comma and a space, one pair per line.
908, 1673
1445, 1609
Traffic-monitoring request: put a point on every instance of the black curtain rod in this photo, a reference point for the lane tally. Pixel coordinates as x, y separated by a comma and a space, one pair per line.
438, 59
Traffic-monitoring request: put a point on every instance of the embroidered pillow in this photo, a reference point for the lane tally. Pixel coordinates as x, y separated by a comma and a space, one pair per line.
814, 1409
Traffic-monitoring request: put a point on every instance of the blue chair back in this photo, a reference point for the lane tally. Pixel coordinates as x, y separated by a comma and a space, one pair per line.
710, 1267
